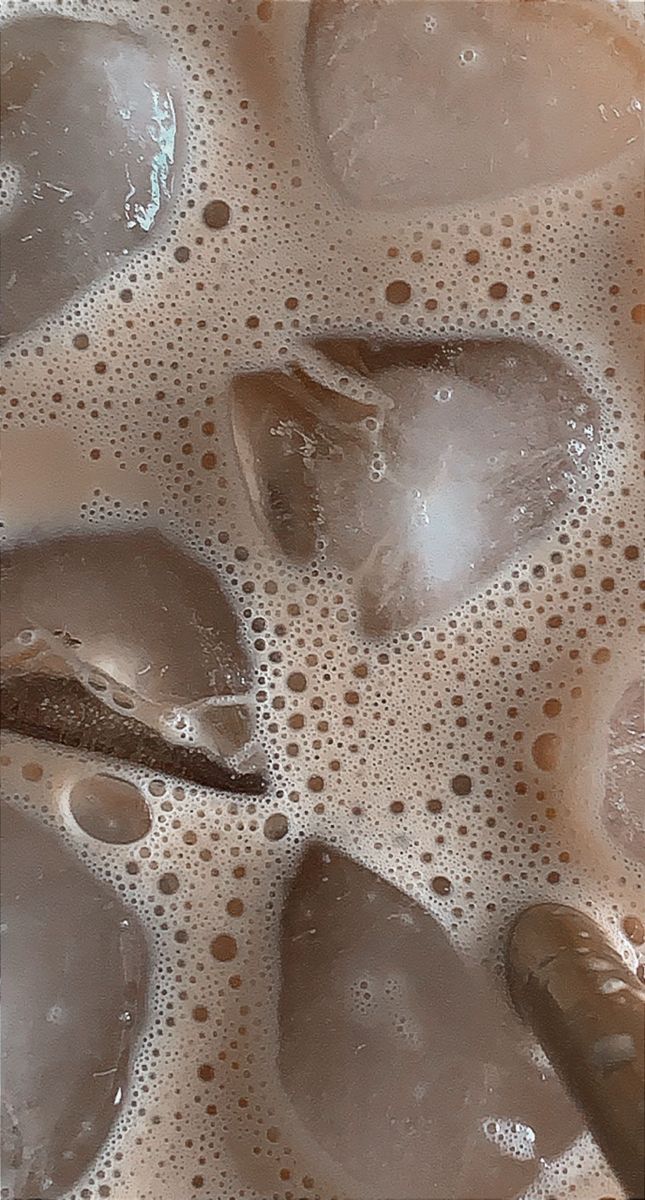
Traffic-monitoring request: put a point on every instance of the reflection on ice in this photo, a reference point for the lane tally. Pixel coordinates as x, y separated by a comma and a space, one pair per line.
623, 812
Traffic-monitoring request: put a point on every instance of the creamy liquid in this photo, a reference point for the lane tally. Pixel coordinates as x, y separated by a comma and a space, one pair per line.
433, 696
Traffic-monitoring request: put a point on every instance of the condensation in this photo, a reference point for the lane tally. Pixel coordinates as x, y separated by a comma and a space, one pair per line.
465, 760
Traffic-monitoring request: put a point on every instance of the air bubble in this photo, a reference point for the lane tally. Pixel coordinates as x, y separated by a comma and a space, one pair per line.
109, 809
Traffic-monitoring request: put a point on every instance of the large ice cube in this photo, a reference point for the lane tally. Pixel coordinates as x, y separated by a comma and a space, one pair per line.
89, 127
434, 103
397, 1055
421, 467
133, 610
623, 808
73, 992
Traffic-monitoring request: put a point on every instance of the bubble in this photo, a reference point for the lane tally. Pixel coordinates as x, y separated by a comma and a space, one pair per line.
216, 214
109, 809
224, 947
276, 827
634, 930
168, 883
462, 785
398, 292
546, 751
32, 771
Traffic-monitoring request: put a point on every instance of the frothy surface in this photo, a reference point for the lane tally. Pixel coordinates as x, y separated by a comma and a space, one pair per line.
461, 752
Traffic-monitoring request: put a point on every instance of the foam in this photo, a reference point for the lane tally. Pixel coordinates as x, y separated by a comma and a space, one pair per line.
410, 751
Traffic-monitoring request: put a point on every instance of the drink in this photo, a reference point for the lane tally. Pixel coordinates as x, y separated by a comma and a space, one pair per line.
385, 422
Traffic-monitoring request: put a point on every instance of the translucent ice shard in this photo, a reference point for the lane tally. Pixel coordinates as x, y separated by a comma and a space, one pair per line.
397, 1055
285, 424
623, 810
419, 468
73, 992
89, 128
129, 622
435, 103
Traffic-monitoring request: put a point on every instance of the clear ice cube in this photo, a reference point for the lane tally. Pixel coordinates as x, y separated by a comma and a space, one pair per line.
140, 621
421, 103
623, 805
398, 1056
73, 994
89, 132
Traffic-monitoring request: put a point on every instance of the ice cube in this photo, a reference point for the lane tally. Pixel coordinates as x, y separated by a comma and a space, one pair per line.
420, 468
142, 622
271, 427
421, 103
623, 810
73, 991
396, 1053
89, 130
285, 423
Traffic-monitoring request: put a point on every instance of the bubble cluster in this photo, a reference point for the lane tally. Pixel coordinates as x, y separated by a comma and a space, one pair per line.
184, 550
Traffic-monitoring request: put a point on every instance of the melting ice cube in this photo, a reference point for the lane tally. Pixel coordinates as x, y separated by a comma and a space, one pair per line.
397, 1054
73, 964
142, 624
623, 812
89, 130
421, 103
420, 468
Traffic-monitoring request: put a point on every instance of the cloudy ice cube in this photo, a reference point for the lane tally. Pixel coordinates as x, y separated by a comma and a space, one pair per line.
450, 461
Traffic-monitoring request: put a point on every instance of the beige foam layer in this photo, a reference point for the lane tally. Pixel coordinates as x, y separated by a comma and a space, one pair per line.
301, 243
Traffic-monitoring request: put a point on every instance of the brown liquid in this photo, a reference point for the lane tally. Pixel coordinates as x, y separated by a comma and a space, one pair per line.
323, 515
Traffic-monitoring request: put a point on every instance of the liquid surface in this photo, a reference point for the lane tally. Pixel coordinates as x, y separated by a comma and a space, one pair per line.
329, 480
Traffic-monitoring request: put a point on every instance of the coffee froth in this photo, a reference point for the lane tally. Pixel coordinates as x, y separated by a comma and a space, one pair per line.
390, 398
